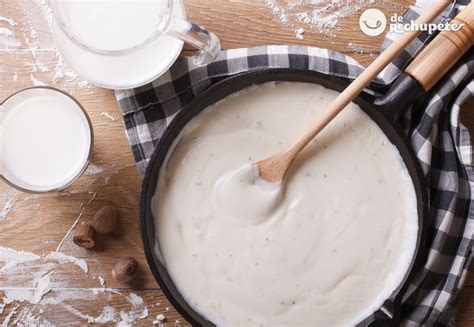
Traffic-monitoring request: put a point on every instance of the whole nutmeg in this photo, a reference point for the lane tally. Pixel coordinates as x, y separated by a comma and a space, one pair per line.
105, 220
84, 236
125, 269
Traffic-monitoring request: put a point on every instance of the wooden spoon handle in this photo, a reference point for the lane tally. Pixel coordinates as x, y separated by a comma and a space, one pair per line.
274, 168
370, 73
444, 51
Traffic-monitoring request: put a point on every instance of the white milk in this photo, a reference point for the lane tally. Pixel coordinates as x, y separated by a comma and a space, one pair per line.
45, 140
113, 25
117, 25
324, 248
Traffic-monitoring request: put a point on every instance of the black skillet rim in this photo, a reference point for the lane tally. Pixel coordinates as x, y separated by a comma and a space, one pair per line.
226, 87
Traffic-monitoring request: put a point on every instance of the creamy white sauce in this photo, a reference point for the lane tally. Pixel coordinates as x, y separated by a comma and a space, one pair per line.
45, 139
326, 247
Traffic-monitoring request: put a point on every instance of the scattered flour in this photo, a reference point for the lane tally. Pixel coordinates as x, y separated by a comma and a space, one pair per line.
6, 322
42, 287
102, 281
358, 49
109, 116
31, 295
42, 290
10, 43
27, 317
32, 37
13, 257
10, 22
299, 33
107, 315
137, 303
139, 311
5, 31
68, 233
99, 171
8, 39
94, 170
37, 82
7, 200
27, 278
64, 258
320, 16
160, 319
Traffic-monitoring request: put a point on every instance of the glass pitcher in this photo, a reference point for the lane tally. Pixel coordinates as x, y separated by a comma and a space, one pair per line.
105, 32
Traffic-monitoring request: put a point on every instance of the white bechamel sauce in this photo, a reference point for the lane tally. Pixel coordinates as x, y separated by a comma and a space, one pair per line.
45, 139
245, 180
324, 248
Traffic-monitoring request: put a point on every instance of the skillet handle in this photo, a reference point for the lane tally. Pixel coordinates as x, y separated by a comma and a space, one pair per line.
440, 55
403, 93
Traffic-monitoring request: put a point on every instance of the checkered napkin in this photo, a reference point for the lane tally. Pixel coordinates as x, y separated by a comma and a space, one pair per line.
440, 142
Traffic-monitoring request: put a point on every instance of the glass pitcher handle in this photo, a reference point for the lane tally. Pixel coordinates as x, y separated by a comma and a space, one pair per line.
205, 41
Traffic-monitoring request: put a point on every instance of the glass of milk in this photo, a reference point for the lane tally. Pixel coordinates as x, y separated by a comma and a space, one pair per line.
126, 43
46, 140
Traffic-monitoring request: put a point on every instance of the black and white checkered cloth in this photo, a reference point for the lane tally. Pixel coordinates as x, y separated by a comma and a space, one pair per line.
440, 141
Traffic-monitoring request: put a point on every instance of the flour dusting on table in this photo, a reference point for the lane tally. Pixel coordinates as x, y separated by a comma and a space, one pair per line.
32, 40
28, 278
64, 258
32, 283
109, 116
7, 201
317, 15
320, 16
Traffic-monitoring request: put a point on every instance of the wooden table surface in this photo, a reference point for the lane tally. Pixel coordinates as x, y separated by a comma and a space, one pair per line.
41, 224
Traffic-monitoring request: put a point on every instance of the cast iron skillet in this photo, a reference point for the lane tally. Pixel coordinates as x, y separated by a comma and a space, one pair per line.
384, 111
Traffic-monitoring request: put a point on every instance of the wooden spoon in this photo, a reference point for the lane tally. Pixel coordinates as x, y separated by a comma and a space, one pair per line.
274, 168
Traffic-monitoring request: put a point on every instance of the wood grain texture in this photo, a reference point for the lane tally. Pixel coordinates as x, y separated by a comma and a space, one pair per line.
465, 314
38, 223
